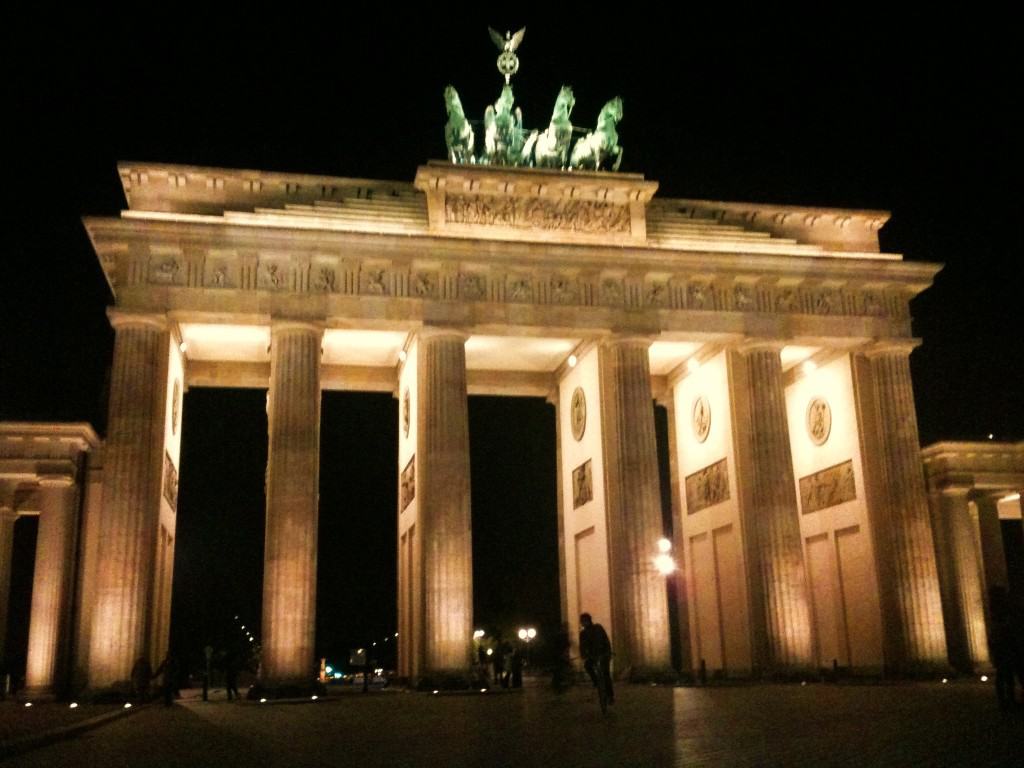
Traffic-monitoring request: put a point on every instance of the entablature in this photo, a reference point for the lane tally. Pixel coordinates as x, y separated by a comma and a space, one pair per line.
174, 265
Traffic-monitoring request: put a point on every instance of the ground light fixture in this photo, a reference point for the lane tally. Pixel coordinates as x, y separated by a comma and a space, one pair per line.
477, 634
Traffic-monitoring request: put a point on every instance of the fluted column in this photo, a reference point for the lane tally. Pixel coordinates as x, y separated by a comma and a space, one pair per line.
293, 471
443, 486
779, 604
961, 578
49, 623
908, 575
129, 514
8, 517
633, 504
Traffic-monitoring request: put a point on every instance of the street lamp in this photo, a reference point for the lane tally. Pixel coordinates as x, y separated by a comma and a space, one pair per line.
663, 562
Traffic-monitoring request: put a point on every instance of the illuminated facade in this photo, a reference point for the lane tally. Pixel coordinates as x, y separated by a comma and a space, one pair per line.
778, 338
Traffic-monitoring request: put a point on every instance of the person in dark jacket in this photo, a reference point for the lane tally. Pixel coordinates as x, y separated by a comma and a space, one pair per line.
596, 650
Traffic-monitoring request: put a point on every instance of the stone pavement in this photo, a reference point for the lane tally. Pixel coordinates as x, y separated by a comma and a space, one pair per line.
784, 725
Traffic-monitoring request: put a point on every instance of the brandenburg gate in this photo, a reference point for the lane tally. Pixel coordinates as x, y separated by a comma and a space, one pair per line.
777, 337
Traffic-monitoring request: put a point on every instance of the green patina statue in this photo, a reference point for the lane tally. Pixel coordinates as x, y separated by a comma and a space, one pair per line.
602, 144
458, 133
552, 147
507, 143
503, 131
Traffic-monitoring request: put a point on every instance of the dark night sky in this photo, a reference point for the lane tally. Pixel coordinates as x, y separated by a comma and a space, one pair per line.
849, 113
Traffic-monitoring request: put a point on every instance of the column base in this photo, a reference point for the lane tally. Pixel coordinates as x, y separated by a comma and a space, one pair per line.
286, 689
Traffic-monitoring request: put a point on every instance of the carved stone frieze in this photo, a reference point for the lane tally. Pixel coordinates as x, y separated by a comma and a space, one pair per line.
563, 290
520, 289
827, 488
407, 486
785, 300
539, 213
472, 286
707, 487
743, 297
325, 279
374, 281
582, 485
698, 296
165, 270
826, 302
656, 294
612, 291
424, 284
272, 276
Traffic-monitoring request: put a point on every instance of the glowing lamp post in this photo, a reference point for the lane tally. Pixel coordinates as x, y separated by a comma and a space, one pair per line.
663, 561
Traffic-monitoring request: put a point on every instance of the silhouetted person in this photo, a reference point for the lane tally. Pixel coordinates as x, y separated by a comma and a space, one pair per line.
596, 650
515, 667
231, 674
1001, 644
142, 673
169, 683
498, 663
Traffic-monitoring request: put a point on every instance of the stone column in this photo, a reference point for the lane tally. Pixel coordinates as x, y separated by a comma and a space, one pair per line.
990, 536
129, 515
633, 505
960, 575
8, 517
904, 547
443, 487
49, 624
293, 471
780, 617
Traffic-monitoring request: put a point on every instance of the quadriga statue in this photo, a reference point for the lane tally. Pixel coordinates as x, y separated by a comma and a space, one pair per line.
551, 149
503, 131
602, 144
458, 133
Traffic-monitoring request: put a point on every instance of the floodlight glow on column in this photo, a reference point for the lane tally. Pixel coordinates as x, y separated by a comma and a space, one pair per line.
664, 545
572, 361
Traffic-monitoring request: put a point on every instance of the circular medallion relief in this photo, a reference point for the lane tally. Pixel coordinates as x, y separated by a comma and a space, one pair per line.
701, 418
175, 406
578, 413
819, 420
405, 412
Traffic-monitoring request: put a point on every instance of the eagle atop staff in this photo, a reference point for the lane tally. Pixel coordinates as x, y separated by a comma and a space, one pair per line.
508, 62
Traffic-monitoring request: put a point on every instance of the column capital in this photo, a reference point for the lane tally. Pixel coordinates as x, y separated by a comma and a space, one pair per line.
627, 340
756, 344
121, 319
880, 347
440, 332
292, 326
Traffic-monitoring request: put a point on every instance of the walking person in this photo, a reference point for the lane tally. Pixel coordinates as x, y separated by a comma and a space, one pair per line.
596, 650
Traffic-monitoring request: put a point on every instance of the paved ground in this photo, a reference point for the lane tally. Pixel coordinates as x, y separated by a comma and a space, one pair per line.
891, 725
